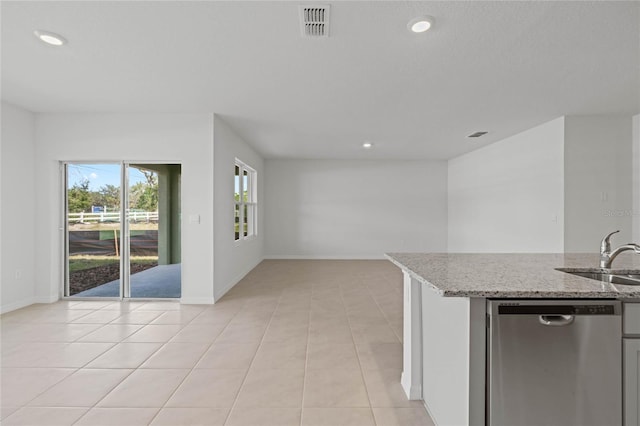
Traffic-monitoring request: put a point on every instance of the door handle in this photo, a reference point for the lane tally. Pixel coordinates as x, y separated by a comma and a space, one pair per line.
556, 320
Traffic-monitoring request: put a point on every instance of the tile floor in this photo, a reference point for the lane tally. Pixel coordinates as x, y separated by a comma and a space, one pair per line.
294, 343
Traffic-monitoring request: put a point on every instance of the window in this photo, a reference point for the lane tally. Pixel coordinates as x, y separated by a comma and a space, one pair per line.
245, 202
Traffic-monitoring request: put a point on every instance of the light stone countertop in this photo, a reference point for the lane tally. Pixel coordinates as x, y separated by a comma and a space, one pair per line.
514, 275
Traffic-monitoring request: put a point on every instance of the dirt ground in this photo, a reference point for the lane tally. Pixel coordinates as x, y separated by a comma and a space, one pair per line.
89, 278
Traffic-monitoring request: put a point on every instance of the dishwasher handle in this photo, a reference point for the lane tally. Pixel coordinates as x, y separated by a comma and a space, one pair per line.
556, 320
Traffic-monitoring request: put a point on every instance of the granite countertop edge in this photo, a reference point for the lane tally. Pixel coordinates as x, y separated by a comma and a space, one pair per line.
611, 293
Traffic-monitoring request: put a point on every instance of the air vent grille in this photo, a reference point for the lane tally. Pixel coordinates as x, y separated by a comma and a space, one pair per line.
477, 134
315, 21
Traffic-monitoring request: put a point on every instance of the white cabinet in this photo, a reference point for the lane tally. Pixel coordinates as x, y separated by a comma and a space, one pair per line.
631, 382
631, 364
632, 319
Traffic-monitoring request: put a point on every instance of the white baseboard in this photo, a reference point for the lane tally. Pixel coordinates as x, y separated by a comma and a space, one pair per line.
326, 257
218, 294
17, 305
413, 391
197, 300
47, 299
426, 407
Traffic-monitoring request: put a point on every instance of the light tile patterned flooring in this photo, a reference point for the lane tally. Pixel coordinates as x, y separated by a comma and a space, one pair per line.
294, 343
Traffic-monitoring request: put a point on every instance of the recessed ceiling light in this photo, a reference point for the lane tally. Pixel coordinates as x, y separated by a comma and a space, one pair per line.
367, 145
421, 24
50, 38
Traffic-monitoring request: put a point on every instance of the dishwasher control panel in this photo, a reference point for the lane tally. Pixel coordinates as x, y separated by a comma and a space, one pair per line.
574, 309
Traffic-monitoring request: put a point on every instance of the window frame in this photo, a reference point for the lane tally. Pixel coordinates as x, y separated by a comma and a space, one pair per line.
250, 205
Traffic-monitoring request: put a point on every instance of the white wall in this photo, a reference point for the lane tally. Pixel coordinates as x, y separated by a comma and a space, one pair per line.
354, 209
17, 154
636, 180
598, 181
233, 260
508, 196
170, 138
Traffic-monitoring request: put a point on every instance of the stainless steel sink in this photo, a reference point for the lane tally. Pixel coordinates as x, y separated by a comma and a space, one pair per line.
632, 276
612, 277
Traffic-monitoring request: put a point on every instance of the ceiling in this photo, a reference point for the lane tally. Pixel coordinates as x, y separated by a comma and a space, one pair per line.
501, 67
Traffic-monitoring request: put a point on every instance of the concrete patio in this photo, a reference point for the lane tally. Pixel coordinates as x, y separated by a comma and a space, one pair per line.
162, 281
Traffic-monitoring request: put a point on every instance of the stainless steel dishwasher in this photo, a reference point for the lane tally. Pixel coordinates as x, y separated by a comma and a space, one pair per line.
554, 363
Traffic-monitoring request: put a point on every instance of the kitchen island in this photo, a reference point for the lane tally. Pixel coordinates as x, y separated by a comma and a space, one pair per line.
445, 317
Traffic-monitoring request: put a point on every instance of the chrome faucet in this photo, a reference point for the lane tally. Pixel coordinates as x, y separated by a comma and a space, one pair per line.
607, 255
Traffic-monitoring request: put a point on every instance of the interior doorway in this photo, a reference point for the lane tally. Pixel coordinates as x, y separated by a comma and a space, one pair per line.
122, 227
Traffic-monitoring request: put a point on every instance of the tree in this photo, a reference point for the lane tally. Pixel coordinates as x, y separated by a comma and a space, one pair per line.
144, 195
148, 200
151, 177
79, 197
108, 196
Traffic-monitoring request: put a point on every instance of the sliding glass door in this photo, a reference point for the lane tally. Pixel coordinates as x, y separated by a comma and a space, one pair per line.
103, 203
154, 230
93, 210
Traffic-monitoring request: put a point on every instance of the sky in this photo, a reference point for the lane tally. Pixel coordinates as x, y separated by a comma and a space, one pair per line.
100, 175
236, 185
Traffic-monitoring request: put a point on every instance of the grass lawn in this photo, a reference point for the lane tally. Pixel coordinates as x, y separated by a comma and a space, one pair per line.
81, 262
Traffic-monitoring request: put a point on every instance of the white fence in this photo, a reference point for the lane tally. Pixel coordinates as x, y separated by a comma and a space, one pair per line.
134, 216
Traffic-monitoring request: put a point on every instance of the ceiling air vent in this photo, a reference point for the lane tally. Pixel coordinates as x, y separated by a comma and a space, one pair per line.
477, 134
315, 21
